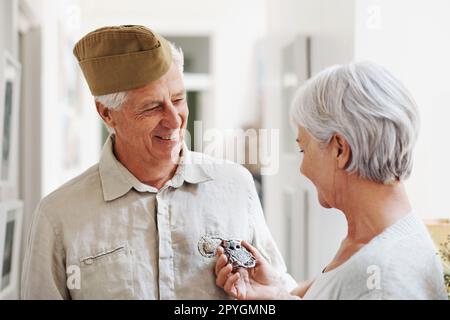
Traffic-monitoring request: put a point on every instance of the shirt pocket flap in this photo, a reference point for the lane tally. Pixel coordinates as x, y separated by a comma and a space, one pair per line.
106, 274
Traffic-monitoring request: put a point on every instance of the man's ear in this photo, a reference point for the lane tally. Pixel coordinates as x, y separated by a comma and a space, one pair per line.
343, 152
105, 113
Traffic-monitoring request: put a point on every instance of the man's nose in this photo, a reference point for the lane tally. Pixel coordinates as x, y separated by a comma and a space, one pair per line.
171, 117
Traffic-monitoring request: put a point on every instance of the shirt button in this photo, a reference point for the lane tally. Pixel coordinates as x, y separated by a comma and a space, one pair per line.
89, 261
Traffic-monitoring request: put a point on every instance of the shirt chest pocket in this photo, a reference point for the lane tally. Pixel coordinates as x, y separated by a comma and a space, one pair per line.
106, 274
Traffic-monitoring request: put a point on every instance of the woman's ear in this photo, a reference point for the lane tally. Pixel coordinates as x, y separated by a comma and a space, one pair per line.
343, 152
105, 113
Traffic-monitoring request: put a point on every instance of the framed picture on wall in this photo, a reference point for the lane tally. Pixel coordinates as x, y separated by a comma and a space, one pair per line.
9, 112
10, 233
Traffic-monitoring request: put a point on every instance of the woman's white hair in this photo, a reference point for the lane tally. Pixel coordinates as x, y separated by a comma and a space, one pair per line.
116, 100
371, 109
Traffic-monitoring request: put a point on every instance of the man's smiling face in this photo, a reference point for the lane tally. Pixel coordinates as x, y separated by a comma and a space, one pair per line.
152, 121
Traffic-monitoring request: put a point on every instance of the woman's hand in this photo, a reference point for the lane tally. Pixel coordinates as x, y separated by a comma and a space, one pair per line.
260, 282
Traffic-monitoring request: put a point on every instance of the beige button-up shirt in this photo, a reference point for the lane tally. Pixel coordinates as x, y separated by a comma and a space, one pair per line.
106, 235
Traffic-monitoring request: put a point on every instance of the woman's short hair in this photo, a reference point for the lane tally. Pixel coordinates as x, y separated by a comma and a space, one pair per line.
371, 109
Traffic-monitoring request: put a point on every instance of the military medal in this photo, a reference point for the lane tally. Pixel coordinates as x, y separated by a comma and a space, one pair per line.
237, 254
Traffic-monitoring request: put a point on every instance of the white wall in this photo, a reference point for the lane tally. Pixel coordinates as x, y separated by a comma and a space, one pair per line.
330, 25
62, 17
410, 37
30, 128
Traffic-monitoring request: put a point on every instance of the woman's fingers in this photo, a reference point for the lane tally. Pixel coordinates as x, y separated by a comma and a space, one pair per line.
253, 251
223, 275
220, 263
230, 285
219, 251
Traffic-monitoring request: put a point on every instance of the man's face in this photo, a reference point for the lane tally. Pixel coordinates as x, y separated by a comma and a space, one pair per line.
152, 122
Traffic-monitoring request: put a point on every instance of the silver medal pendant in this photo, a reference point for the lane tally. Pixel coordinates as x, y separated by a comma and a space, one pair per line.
237, 254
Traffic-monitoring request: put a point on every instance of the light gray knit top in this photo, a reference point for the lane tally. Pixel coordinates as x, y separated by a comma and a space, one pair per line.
399, 263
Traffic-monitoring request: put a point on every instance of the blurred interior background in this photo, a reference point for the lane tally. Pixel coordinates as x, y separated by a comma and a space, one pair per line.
243, 60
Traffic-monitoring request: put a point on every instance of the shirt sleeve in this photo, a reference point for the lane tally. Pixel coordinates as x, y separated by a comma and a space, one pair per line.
43, 274
263, 240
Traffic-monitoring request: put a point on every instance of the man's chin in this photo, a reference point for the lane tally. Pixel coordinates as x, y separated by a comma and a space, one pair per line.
170, 154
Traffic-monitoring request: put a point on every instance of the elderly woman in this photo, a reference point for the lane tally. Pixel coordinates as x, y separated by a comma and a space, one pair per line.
356, 129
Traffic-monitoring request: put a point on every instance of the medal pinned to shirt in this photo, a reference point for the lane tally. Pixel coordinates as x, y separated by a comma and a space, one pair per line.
236, 253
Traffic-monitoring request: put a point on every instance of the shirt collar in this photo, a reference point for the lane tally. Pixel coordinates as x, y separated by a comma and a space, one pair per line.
116, 180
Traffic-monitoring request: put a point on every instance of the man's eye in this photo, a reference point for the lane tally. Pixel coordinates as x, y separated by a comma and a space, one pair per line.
178, 100
151, 108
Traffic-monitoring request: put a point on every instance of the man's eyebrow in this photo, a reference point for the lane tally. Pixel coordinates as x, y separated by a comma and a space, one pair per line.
179, 94
147, 102
155, 101
146, 105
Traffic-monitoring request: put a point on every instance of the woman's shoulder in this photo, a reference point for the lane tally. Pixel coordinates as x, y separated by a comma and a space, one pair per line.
405, 243
401, 262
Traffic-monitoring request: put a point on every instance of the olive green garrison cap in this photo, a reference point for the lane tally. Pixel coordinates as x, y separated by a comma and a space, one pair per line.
121, 58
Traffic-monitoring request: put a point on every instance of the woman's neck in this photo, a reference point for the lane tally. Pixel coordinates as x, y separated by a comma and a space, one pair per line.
371, 207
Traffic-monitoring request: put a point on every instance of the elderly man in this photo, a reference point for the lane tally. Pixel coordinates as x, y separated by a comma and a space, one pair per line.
134, 225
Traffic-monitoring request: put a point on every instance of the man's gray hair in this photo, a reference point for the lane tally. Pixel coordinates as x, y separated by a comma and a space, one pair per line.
371, 109
116, 100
